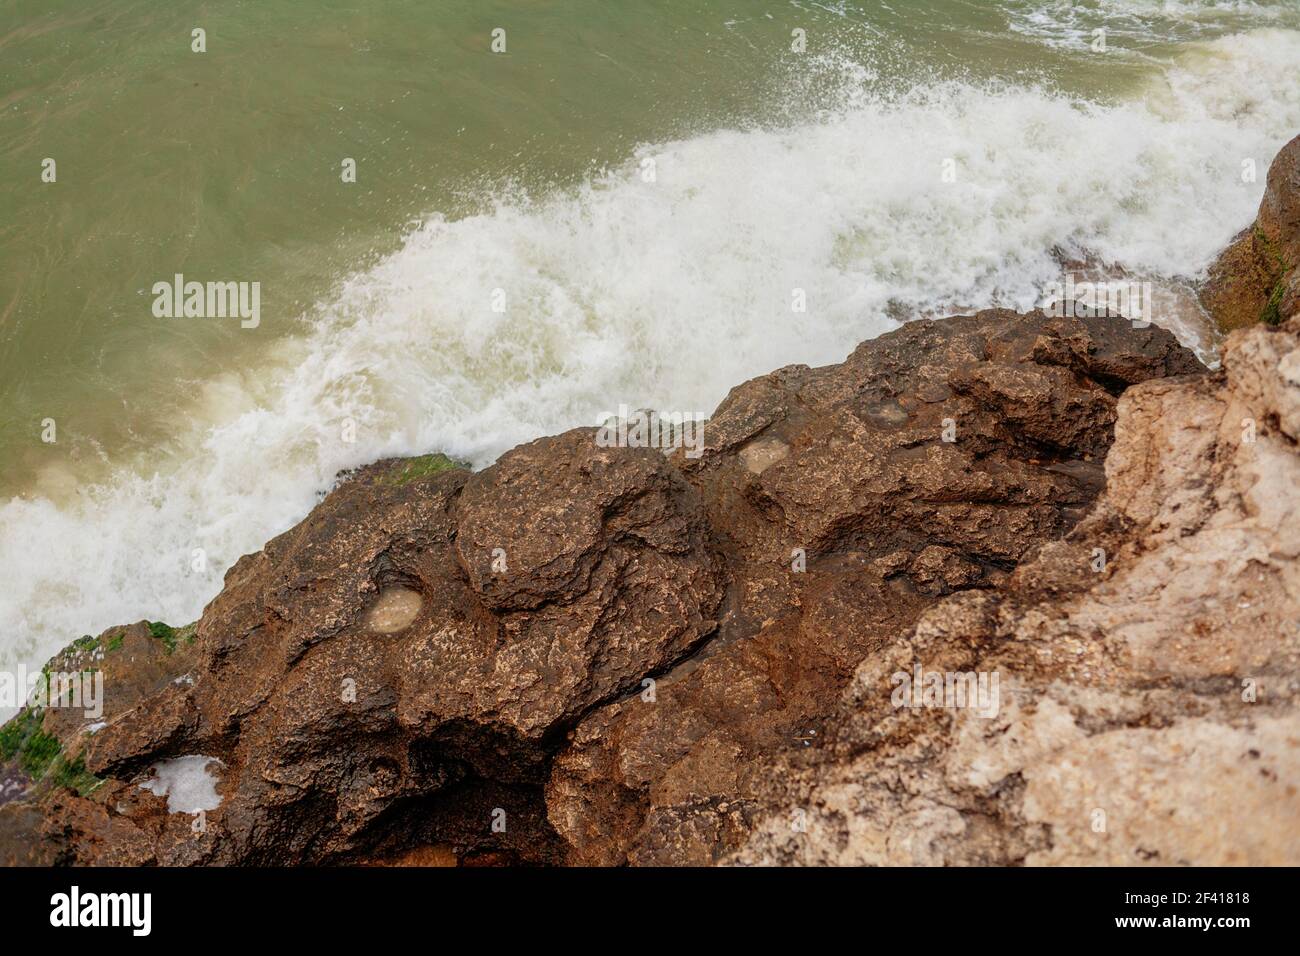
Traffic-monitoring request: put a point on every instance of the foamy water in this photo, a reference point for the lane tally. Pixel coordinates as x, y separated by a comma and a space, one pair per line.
1072, 24
660, 294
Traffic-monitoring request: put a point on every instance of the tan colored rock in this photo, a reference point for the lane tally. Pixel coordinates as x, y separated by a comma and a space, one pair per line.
1150, 706
633, 658
1199, 791
867, 489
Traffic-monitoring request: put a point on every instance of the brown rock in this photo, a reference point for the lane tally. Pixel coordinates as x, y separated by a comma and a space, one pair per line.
1255, 278
377, 672
888, 515
607, 650
1147, 701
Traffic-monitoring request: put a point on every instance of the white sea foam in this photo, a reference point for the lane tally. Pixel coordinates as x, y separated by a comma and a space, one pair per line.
1070, 24
186, 783
664, 295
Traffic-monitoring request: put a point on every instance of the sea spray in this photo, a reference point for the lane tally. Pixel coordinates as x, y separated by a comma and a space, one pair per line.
663, 294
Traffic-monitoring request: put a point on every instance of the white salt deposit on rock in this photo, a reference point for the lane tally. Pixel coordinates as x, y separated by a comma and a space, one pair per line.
186, 783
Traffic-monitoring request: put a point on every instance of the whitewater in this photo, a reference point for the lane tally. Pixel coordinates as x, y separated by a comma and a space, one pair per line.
662, 291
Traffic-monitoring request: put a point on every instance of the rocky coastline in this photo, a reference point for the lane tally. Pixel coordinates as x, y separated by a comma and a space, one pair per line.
596, 655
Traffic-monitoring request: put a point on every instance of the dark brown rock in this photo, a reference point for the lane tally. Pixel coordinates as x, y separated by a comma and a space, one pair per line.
607, 648
888, 514
336, 732
1255, 279
1149, 704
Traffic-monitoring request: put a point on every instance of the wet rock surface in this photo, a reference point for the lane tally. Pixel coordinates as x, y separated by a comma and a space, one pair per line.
1257, 278
835, 550
588, 654
1149, 667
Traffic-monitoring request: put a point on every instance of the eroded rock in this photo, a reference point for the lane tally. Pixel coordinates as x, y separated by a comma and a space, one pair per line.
1257, 278
627, 657
842, 543
1149, 665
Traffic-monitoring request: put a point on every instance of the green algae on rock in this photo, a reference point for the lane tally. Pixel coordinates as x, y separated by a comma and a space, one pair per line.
406, 470
1257, 277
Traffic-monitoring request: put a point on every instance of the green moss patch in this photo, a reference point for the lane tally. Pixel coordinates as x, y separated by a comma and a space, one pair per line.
23, 739
40, 755
16, 732
37, 753
74, 776
172, 637
1272, 311
426, 466
1263, 243
85, 643
163, 632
